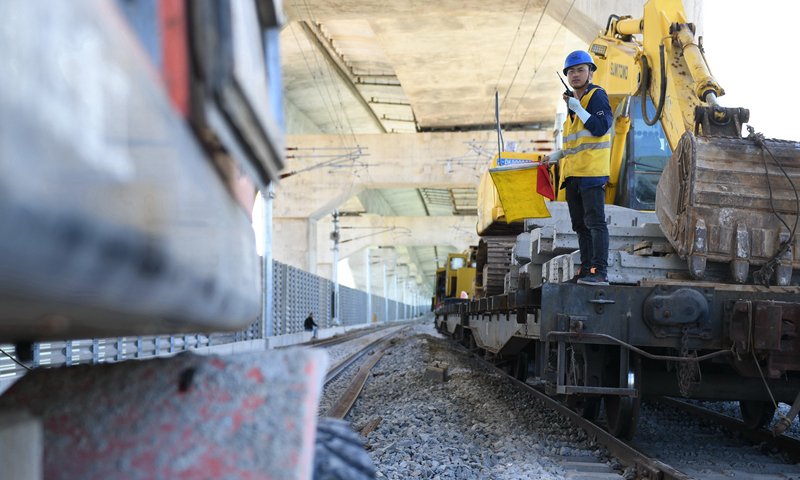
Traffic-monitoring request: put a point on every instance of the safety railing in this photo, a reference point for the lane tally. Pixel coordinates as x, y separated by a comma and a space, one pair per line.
295, 294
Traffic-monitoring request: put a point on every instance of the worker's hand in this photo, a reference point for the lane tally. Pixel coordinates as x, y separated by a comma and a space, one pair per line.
546, 160
576, 107
566, 97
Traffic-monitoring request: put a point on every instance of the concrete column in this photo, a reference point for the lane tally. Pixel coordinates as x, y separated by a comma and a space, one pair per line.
405, 309
336, 320
268, 284
368, 276
396, 301
312, 245
385, 294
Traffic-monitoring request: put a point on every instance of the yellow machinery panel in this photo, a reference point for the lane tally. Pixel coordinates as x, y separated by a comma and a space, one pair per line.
465, 281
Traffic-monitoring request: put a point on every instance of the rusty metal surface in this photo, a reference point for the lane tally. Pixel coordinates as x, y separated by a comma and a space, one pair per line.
713, 202
189, 416
346, 402
769, 329
654, 282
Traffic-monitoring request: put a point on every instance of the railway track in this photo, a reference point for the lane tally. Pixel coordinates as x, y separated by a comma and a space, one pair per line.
374, 346
670, 444
339, 452
351, 335
707, 445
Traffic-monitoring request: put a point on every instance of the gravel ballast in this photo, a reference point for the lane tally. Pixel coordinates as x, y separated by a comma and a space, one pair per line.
476, 425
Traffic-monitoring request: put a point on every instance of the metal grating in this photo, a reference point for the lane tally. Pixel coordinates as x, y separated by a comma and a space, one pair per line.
295, 294
451, 201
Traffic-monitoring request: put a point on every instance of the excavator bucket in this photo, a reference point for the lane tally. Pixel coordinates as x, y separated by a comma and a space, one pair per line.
716, 202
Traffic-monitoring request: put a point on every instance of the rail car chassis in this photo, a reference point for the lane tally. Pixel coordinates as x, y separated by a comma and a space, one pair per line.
621, 343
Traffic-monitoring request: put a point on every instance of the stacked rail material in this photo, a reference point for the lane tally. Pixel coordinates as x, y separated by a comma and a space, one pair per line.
497, 251
629, 268
628, 230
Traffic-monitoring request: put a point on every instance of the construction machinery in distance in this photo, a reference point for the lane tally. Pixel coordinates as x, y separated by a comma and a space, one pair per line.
703, 260
455, 282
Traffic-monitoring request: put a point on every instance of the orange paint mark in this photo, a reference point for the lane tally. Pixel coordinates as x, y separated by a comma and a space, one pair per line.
256, 375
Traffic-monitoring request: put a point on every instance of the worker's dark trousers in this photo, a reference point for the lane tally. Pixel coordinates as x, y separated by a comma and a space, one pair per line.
587, 212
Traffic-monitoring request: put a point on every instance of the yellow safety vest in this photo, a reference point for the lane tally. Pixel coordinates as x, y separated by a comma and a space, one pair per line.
584, 154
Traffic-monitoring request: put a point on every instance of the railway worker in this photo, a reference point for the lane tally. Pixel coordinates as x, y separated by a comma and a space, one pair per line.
310, 325
585, 165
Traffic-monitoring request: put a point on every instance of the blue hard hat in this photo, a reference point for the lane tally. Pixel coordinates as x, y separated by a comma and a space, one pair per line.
579, 57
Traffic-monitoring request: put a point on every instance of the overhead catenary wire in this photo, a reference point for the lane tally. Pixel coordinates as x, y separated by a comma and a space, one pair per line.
541, 61
519, 65
510, 49
314, 78
544, 10
337, 121
331, 75
356, 172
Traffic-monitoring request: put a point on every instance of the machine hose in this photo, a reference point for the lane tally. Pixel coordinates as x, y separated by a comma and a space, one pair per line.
763, 275
645, 85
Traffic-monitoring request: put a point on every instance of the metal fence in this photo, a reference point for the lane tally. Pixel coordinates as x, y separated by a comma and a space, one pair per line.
295, 294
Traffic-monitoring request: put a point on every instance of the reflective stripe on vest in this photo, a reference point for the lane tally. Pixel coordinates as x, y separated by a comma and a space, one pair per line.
585, 155
575, 136
587, 146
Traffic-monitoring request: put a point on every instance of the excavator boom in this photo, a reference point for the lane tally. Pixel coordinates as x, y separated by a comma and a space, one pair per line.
722, 197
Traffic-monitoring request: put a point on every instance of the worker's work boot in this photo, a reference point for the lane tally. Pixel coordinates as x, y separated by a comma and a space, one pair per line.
576, 277
594, 278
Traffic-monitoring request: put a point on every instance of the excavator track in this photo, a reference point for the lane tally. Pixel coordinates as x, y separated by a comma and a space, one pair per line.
494, 262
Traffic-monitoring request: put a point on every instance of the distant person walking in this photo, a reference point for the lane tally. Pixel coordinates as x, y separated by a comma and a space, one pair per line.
310, 325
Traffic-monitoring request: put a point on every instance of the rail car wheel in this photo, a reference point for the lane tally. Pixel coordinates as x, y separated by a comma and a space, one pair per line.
622, 413
756, 413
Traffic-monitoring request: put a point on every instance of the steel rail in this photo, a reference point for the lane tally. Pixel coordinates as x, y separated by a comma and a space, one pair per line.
788, 444
628, 455
329, 342
347, 362
342, 407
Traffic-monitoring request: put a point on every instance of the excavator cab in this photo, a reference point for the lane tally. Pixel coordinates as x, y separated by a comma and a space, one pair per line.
643, 158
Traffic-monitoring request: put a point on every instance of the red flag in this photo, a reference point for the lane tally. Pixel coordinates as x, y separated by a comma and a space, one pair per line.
544, 186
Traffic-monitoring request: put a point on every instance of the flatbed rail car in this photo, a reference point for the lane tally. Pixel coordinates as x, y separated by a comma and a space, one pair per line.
621, 343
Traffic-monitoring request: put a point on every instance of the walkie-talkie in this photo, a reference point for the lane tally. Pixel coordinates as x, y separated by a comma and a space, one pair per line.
568, 92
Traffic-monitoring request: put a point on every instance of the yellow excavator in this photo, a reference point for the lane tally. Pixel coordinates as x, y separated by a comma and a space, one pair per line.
456, 280
726, 204
719, 196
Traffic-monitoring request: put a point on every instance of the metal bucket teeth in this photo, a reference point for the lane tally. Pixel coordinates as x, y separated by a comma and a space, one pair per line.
715, 203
